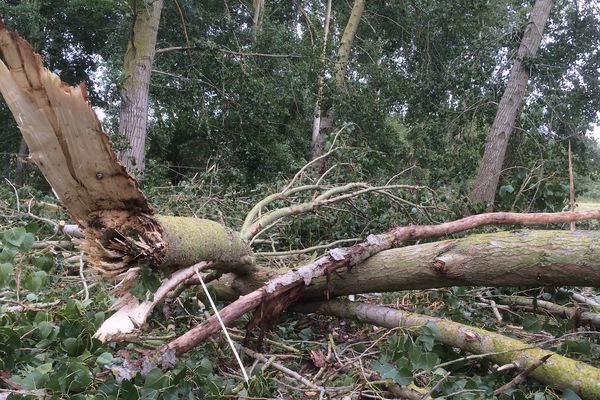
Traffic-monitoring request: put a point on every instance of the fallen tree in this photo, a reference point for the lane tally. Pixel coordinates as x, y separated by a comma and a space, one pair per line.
557, 371
123, 237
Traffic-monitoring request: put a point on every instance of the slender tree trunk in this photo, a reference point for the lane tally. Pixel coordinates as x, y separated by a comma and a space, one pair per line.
257, 17
20, 169
317, 142
346, 45
484, 189
137, 68
324, 120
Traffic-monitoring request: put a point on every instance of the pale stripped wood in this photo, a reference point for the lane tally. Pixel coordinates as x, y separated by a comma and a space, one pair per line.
65, 138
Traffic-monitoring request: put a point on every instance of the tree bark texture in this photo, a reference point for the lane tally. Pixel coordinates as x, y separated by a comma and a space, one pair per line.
317, 139
343, 55
20, 170
282, 290
484, 189
558, 371
521, 258
137, 68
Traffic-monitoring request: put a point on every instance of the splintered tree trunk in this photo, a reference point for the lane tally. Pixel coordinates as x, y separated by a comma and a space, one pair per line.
324, 119
137, 67
484, 189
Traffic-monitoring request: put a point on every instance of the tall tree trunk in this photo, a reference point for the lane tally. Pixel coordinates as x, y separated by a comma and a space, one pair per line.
137, 68
323, 123
21, 163
317, 142
257, 17
484, 189
348, 36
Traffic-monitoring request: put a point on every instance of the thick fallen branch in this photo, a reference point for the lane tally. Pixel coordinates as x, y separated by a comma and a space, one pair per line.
558, 371
279, 292
581, 317
516, 258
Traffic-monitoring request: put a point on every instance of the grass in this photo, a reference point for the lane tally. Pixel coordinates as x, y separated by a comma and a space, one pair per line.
587, 203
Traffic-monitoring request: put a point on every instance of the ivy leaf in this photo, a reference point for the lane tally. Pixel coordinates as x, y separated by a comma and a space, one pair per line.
402, 376
532, 324
104, 359
15, 236
35, 281
6, 274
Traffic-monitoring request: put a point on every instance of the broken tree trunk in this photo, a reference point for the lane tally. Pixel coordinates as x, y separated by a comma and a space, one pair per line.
558, 371
68, 145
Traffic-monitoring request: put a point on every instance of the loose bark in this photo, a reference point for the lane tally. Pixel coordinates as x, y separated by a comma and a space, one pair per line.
558, 371
279, 292
137, 67
522, 258
484, 189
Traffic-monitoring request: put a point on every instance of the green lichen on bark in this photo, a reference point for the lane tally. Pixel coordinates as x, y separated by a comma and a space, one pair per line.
558, 371
190, 240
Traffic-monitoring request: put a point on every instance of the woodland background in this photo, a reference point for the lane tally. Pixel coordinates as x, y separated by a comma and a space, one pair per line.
231, 108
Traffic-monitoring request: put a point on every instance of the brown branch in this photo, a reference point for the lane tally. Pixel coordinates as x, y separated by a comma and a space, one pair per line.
522, 376
287, 287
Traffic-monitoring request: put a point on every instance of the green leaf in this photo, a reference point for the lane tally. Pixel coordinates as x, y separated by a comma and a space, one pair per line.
15, 236
78, 378
6, 274
27, 242
155, 379
34, 380
128, 391
7, 254
35, 281
568, 394
532, 324
577, 346
74, 346
147, 282
44, 263
402, 376
104, 358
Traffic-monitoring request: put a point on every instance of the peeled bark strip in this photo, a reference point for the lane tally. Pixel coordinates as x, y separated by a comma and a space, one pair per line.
521, 258
558, 371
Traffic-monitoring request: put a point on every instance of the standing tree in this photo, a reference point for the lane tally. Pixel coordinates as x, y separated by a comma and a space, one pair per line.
137, 67
484, 188
324, 121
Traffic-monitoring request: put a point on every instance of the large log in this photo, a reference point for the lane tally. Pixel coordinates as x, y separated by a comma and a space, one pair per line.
515, 258
558, 371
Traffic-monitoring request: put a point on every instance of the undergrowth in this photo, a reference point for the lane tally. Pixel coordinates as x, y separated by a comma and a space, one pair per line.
50, 308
